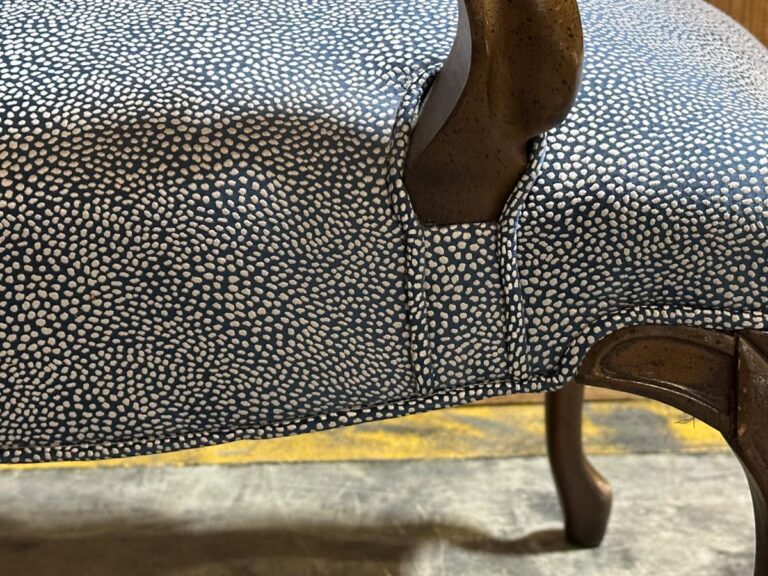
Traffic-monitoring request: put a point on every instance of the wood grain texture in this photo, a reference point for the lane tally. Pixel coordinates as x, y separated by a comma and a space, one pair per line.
753, 14
718, 377
524, 68
750, 441
690, 368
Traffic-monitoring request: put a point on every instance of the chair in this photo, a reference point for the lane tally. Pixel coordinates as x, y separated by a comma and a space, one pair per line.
230, 220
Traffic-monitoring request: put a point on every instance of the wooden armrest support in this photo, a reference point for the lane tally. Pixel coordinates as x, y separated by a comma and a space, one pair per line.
513, 74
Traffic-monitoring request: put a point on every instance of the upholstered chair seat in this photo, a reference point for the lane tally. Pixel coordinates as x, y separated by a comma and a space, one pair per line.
205, 233
238, 219
223, 220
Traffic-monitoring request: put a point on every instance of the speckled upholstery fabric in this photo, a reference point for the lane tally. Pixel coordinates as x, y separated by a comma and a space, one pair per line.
204, 234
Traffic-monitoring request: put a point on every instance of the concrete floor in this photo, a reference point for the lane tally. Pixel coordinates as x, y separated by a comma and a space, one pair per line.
675, 513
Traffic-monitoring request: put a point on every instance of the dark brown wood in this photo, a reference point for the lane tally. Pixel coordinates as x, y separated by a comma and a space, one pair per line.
585, 496
720, 378
513, 74
750, 438
689, 368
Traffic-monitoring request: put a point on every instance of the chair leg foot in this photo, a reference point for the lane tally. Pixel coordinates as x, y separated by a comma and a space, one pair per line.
585, 495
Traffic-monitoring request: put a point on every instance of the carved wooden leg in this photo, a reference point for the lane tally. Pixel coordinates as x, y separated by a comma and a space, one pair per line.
585, 496
750, 437
720, 378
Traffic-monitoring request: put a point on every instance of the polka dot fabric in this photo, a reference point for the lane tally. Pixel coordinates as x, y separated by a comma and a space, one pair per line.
199, 220
204, 234
652, 205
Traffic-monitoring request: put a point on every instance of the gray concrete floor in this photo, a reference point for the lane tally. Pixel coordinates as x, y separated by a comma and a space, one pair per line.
674, 514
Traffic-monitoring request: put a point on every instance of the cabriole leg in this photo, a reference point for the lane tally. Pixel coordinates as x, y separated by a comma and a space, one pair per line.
585, 496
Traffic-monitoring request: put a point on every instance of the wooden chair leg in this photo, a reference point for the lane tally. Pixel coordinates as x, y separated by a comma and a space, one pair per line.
758, 484
750, 437
720, 378
585, 496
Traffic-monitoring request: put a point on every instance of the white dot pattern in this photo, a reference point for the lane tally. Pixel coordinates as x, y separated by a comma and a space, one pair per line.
466, 306
653, 201
204, 234
199, 215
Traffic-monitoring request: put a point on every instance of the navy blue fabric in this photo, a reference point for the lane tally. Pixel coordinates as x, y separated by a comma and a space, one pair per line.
204, 234
653, 205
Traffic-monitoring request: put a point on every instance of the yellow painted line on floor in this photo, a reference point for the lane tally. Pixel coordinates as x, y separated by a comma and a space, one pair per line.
694, 434
497, 431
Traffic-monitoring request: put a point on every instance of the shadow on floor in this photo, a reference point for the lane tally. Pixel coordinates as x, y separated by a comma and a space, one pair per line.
296, 551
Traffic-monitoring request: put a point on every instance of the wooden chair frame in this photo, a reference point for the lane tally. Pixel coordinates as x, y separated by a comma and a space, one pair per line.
720, 378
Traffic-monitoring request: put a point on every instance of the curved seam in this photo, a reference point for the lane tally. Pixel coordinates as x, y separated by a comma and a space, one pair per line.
552, 382
413, 237
243, 433
516, 343
618, 316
